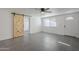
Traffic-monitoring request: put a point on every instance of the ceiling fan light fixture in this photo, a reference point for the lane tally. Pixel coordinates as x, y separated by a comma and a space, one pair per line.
42, 12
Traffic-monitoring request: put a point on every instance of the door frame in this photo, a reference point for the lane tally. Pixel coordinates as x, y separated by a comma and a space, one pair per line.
28, 21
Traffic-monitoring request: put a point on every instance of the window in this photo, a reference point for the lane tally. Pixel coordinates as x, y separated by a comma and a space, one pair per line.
47, 22
52, 23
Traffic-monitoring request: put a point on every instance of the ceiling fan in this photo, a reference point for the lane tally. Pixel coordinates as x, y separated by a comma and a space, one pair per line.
45, 10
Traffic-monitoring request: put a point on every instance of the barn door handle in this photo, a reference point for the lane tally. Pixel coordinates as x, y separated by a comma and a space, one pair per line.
64, 26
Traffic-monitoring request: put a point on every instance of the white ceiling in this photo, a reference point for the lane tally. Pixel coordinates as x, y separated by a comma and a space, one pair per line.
59, 11
36, 11
26, 11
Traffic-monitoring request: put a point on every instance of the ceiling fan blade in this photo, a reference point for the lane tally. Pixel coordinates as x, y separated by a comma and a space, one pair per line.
47, 8
48, 11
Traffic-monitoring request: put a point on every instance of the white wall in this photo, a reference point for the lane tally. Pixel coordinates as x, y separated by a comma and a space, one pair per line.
58, 29
35, 24
73, 24
60, 24
6, 22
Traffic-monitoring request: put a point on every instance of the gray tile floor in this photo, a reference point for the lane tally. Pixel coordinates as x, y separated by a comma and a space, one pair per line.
41, 42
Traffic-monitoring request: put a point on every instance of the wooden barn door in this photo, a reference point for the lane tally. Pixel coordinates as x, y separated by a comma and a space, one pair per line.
18, 25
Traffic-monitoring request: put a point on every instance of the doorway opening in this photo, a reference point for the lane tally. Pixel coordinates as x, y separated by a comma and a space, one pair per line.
26, 24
